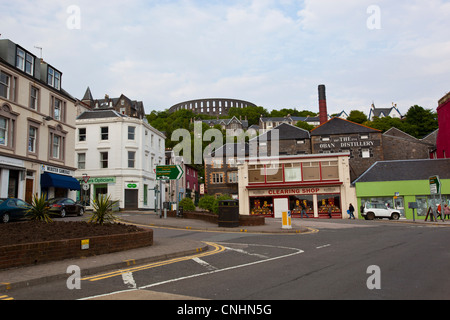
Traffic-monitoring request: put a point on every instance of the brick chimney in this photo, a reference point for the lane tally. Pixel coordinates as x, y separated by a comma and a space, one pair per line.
323, 113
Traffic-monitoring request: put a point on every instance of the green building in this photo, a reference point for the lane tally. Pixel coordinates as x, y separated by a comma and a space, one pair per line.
397, 183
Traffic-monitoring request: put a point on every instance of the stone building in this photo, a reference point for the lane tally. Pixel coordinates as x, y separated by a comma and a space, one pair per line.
337, 135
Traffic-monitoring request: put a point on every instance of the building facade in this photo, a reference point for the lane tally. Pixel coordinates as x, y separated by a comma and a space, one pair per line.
117, 155
398, 183
320, 184
443, 139
188, 185
37, 127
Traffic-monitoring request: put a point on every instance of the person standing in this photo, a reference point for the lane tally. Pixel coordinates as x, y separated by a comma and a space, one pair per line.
351, 209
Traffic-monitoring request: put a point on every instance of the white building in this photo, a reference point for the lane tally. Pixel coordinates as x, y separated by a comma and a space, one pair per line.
119, 155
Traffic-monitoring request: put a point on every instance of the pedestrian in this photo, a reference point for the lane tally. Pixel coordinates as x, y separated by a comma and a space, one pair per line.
446, 212
350, 211
329, 212
303, 212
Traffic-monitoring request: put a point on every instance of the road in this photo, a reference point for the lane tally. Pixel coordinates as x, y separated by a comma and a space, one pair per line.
364, 260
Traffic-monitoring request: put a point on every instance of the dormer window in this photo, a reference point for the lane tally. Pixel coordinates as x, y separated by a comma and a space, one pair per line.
54, 78
25, 61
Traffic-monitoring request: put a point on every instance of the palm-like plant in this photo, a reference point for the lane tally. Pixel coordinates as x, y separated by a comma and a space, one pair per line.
39, 209
103, 210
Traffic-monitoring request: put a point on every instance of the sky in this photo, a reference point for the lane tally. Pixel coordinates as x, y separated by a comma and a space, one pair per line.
272, 53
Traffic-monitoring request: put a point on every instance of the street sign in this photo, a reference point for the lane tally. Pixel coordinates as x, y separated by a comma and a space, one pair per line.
86, 179
171, 172
435, 185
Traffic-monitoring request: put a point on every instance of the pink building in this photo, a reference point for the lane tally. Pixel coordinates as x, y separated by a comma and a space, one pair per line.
443, 138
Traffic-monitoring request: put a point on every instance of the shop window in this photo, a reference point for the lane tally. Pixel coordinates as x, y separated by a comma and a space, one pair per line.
311, 171
256, 173
292, 172
329, 201
274, 173
296, 203
261, 206
330, 170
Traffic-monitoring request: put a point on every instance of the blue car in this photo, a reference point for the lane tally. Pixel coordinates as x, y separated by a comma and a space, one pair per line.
12, 209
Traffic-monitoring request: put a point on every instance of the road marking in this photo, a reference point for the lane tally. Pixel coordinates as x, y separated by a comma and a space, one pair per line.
204, 264
4, 298
128, 280
247, 253
324, 246
296, 252
217, 249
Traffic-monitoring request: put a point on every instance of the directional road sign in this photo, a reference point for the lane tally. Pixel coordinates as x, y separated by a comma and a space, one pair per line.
171, 172
435, 185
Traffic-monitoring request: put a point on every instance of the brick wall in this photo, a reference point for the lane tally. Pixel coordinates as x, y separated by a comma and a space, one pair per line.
41, 252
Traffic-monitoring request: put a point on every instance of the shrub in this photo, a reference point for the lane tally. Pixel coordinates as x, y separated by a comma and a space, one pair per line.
187, 204
39, 209
103, 210
207, 202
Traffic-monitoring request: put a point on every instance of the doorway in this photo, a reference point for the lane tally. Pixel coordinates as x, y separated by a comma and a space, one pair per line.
280, 205
131, 199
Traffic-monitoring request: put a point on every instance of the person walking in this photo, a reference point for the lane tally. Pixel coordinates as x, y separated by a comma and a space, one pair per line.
350, 211
303, 212
446, 211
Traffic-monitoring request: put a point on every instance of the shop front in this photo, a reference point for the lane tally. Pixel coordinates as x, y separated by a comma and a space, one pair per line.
316, 202
316, 185
58, 182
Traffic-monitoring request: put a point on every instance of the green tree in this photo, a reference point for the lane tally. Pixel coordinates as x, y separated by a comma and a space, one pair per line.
187, 204
304, 125
103, 210
39, 209
207, 202
357, 116
420, 121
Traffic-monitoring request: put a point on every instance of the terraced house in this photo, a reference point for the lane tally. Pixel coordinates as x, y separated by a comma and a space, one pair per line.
37, 127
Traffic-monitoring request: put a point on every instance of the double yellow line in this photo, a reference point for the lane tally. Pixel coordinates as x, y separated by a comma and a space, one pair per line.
217, 249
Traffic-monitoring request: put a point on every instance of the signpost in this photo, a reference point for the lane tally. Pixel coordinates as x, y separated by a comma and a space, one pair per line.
435, 189
169, 172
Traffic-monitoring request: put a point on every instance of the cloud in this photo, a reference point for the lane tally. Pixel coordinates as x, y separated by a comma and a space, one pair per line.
273, 53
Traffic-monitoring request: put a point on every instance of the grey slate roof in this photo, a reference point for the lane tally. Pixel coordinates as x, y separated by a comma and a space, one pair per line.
402, 170
286, 132
341, 126
99, 114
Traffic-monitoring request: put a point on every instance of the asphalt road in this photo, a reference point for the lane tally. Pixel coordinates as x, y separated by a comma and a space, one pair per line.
369, 261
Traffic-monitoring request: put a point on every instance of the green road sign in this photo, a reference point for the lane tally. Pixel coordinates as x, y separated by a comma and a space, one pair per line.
435, 185
171, 172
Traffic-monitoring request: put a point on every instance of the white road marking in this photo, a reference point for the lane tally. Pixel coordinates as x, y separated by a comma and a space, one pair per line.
324, 246
204, 264
128, 280
248, 253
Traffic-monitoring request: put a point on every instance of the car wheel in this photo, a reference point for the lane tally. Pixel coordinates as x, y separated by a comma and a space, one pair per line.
395, 216
81, 212
5, 218
63, 213
370, 215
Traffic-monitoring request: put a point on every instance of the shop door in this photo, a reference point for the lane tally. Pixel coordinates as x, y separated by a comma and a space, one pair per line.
29, 190
131, 199
280, 205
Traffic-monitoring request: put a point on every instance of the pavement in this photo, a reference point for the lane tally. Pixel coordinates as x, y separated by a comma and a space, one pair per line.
166, 248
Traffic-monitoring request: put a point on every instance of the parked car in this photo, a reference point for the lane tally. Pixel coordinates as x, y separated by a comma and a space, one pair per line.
64, 206
12, 209
372, 210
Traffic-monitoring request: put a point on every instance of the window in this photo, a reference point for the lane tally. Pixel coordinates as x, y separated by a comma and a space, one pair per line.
311, 171
131, 133
3, 131
329, 202
274, 173
292, 172
54, 78
256, 173
56, 147
131, 159
365, 153
82, 134
217, 178
325, 139
82, 161
32, 137
5, 80
233, 177
104, 133
57, 109
34, 98
103, 160
330, 170
25, 61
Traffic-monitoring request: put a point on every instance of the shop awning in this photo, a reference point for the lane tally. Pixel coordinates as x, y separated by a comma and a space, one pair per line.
59, 181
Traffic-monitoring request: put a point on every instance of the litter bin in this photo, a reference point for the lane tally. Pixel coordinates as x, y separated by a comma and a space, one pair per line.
180, 212
228, 214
